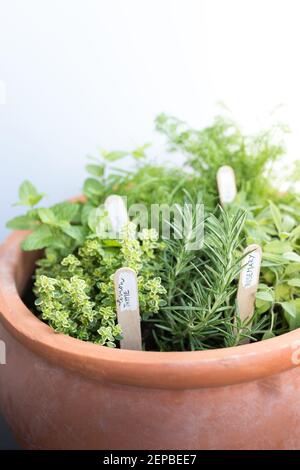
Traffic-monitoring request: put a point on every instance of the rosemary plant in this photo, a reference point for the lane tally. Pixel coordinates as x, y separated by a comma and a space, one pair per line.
201, 289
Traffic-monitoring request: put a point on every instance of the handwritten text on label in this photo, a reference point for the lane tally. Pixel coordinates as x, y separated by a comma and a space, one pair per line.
127, 292
251, 270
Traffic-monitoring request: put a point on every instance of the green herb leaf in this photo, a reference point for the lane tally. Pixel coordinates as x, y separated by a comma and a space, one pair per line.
114, 156
294, 282
95, 170
276, 215
66, 211
47, 216
292, 268
267, 296
291, 256
22, 222
40, 238
28, 194
278, 247
98, 222
92, 188
140, 152
76, 232
86, 210
288, 223
268, 335
292, 313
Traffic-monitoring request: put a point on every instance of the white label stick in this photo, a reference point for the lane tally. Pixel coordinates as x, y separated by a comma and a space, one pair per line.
226, 184
127, 303
117, 212
249, 280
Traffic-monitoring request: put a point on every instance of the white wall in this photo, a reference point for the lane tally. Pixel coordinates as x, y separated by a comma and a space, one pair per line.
78, 74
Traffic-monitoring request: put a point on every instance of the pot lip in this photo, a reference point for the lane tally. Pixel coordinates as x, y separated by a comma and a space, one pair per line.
150, 369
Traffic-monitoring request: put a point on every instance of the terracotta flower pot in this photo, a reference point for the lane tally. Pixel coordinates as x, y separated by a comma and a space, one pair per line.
57, 392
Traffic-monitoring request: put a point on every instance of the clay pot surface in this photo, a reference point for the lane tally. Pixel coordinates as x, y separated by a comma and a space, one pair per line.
57, 392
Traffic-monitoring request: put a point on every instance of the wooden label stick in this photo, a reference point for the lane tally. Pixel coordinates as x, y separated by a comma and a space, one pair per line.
127, 302
117, 212
249, 280
226, 185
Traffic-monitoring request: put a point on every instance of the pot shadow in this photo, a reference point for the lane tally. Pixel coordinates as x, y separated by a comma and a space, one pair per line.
7, 442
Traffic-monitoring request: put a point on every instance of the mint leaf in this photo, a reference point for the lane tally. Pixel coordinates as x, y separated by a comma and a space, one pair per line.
47, 216
28, 194
96, 216
86, 210
76, 232
139, 152
92, 188
22, 222
114, 156
95, 170
66, 211
40, 238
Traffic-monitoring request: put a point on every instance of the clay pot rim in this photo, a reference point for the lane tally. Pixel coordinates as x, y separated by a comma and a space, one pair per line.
167, 370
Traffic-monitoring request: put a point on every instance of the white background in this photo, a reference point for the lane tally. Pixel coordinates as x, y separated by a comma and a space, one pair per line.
79, 74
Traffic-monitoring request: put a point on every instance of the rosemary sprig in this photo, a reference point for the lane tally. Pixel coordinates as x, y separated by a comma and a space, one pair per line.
200, 311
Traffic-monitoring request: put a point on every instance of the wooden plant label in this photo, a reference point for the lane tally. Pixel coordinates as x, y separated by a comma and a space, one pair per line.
226, 185
249, 280
127, 302
117, 212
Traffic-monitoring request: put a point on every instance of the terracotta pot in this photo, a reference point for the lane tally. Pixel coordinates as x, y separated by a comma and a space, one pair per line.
57, 392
